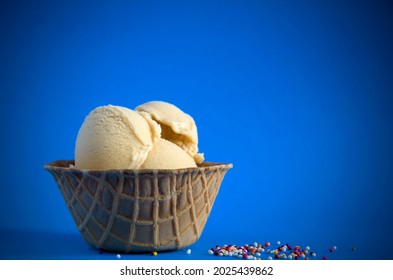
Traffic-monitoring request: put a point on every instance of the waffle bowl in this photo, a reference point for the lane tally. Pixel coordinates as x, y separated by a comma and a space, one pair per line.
139, 210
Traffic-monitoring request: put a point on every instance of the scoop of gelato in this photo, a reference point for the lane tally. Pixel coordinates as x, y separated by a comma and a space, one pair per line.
114, 137
176, 126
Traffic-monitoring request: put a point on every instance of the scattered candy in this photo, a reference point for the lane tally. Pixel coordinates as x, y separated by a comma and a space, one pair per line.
257, 251
188, 251
118, 256
154, 253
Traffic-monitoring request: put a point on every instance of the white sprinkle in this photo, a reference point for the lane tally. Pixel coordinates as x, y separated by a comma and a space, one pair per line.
269, 258
118, 256
188, 251
307, 248
220, 254
278, 242
335, 248
255, 244
313, 254
210, 252
258, 254
290, 257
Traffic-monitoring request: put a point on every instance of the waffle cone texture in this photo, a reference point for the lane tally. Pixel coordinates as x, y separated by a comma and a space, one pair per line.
139, 210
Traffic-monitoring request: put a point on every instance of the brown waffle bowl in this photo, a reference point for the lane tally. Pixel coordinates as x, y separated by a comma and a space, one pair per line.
139, 210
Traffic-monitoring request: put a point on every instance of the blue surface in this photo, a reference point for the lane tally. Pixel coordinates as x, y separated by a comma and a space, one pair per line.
297, 95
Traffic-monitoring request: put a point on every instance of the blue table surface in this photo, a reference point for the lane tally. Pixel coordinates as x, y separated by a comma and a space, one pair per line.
56, 245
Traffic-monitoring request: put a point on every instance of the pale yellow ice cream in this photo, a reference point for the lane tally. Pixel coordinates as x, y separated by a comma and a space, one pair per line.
166, 155
157, 135
114, 137
176, 126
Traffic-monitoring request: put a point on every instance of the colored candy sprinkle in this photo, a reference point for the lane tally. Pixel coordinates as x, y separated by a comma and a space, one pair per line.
188, 251
258, 251
154, 253
118, 256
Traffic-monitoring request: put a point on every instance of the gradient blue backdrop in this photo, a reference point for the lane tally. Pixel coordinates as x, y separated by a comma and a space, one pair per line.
298, 95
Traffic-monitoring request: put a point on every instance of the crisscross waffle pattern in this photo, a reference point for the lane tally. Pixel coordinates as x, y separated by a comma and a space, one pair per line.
139, 210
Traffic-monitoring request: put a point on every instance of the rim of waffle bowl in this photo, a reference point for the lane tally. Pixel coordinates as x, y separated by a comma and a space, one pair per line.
69, 165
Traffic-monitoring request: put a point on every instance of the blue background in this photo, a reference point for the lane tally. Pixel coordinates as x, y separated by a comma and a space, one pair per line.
298, 95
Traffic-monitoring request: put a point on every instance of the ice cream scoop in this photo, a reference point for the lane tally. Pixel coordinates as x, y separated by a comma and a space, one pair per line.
166, 155
176, 126
114, 137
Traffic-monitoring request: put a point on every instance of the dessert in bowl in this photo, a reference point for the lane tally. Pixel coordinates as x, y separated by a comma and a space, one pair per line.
129, 189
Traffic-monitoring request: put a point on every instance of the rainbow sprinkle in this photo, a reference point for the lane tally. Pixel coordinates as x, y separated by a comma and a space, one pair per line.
256, 250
